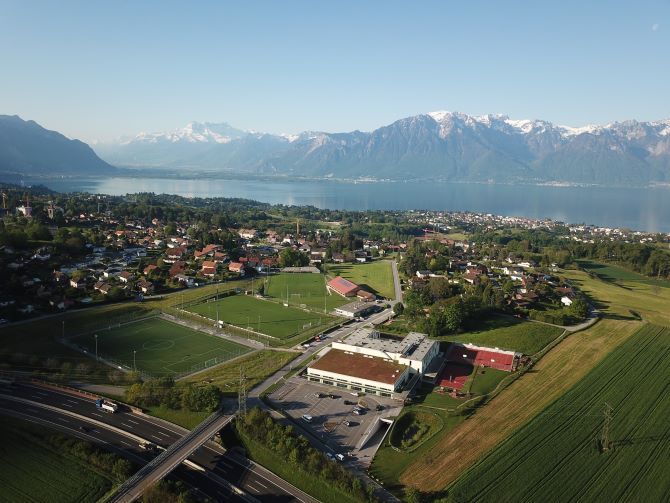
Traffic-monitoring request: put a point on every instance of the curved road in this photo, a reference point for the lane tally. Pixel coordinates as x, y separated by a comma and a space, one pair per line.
116, 431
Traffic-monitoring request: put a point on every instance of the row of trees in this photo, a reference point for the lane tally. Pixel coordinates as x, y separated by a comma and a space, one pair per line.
257, 426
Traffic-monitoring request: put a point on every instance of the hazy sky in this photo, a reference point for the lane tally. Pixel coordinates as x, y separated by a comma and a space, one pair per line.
101, 69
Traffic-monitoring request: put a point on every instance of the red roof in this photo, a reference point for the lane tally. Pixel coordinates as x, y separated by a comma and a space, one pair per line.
343, 286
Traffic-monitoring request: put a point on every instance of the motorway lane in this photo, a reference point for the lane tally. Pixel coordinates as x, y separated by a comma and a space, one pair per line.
113, 441
262, 486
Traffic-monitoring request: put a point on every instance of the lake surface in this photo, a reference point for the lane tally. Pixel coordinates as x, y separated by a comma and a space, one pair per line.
636, 208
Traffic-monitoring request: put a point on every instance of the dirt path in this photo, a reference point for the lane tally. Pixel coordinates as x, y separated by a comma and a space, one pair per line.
562, 367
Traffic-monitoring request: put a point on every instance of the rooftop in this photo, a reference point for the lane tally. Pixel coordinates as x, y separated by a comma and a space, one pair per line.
360, 366
342, 286
413, 346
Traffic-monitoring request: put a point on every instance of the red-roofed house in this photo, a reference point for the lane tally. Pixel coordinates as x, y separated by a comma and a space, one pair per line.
343, 287
208, 268
149, 268
237, 267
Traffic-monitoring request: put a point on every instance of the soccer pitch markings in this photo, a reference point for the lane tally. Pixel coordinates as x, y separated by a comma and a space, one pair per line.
303, 288
264, 316
161, 347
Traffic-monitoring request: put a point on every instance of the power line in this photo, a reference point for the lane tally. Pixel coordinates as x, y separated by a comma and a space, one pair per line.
605, 442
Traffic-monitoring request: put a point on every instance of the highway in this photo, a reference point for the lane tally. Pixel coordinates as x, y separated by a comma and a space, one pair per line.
121, 430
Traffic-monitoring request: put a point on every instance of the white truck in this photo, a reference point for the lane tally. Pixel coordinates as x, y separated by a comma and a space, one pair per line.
106, 405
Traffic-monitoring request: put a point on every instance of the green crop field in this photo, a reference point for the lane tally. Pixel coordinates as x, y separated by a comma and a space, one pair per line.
162, 347
264, 316
374, 276
557, 452
616, 274
303, 288
510, 334
31, 471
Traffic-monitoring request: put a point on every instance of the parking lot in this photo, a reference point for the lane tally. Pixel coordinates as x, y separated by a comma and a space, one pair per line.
330, 413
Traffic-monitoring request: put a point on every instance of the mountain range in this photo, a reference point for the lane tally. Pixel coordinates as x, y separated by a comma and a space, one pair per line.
26, 148
445, 146
434, 146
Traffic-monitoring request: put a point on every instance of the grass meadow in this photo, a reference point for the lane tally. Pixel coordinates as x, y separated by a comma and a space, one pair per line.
376, 277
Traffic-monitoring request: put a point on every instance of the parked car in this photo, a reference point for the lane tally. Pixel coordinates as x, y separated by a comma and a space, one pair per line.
307, 418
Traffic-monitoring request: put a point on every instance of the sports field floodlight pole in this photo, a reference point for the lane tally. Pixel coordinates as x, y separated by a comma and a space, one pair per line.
96, 347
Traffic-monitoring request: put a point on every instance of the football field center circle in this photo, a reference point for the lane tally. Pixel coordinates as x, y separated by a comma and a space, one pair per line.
158, 345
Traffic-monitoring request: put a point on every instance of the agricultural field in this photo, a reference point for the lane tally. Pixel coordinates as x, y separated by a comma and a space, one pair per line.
510, 334
32, 471
624, 300
558, 451
161, 347
304, 288
264, 316
457, 448
376, 277
617, 274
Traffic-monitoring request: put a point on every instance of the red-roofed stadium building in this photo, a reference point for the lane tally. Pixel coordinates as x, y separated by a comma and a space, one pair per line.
343, 287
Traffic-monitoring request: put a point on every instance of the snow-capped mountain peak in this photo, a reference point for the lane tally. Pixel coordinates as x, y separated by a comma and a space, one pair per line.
193, 132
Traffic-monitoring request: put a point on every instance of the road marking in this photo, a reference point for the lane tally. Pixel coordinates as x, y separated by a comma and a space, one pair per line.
67, 405
63, 419
35, 396
226, 463
253, 488
96, 414
71, 401
125, 443
157, 438
161, 433
260, 484
131, 421
127, 425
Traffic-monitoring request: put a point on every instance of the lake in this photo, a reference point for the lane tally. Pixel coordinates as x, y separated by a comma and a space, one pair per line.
636, 208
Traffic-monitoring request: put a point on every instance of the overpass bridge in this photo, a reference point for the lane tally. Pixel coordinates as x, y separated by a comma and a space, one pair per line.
170, 458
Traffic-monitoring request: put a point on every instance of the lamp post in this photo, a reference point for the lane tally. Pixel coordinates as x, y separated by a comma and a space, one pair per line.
134, 363
96, 347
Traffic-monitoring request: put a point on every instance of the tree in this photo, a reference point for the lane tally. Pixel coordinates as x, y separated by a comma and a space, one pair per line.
398, 309
289, 257
579, 308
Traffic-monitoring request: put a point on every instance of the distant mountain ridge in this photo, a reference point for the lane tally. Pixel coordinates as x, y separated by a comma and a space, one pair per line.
26, 148
435, 146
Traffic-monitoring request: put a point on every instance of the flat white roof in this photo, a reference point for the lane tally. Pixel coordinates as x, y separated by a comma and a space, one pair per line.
414, 346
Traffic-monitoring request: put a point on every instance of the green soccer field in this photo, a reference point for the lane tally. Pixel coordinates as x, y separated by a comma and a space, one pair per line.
161, 347
264, 316
303, 288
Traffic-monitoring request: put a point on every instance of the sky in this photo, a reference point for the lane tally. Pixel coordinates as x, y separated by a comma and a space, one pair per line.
98, 70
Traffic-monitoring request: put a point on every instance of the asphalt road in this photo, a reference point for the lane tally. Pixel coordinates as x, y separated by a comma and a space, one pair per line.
252, 479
